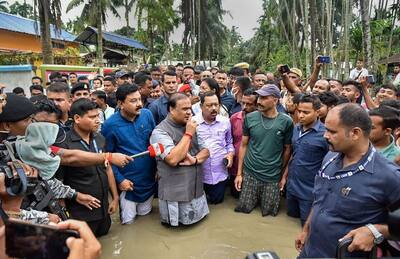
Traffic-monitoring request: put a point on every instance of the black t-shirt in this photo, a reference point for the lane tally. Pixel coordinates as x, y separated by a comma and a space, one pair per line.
89, 179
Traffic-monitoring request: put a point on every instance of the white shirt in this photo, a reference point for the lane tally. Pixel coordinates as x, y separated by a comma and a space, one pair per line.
354, 73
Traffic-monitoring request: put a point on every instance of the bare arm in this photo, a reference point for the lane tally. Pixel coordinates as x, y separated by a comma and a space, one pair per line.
242, 153
112, 183
365, 91
286, 155
289, 84
78, 158
303, 236
202, 155
314, 75
179, 152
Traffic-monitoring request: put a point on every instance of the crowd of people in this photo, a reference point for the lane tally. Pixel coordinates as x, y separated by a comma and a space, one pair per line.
329, 147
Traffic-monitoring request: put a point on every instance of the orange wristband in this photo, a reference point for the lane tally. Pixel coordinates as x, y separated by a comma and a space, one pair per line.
189, 135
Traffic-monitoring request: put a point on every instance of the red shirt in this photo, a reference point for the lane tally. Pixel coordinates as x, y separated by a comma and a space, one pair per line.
237, 130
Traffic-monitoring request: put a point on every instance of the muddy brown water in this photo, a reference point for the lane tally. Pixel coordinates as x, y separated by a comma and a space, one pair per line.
222, 234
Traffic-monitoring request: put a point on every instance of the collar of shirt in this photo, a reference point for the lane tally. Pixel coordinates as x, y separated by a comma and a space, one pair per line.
316, 127
338, 163
239, 115
76, 137
164, 99
200, 120
389, 147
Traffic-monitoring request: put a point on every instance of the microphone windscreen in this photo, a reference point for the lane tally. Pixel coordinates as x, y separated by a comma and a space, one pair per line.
156, 149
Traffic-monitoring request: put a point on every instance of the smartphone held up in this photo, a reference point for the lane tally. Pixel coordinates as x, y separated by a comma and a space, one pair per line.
27, 240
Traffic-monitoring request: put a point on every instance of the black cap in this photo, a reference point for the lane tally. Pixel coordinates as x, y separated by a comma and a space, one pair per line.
16, 108
80, 86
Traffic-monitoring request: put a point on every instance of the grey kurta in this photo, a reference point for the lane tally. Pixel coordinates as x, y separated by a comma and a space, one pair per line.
180, 188
177, 183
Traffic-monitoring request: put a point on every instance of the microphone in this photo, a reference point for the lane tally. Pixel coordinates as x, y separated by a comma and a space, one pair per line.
153, 150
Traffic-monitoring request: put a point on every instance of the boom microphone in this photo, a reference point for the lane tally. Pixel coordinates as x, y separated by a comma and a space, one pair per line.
153, 150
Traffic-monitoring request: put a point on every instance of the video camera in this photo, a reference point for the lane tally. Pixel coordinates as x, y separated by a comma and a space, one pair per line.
16, 184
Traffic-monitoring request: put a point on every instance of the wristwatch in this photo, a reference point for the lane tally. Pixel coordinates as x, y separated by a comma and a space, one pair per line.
378, 236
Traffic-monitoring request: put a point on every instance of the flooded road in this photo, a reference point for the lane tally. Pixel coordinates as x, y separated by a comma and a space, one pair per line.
222, 234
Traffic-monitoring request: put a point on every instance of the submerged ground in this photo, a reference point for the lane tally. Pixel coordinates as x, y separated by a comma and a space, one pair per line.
223, 234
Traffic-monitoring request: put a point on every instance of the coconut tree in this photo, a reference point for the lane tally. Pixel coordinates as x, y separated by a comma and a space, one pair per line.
3, 6
94, 12
364, 10
127, 6
48, 11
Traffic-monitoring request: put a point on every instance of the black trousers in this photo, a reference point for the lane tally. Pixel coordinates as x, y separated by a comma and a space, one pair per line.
100, 227
215, 192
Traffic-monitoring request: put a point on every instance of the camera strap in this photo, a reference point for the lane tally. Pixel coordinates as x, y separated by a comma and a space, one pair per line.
45, 201
3, 214
21, 188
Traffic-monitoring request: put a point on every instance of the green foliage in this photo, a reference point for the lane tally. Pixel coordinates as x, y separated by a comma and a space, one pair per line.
3, 6
24, 9
126, 31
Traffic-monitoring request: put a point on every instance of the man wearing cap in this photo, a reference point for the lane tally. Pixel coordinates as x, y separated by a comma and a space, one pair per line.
263, 155
292, 79
80, 90
122, 77
245, 66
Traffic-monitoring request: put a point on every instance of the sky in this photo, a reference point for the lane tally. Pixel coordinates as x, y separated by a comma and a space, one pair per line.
242, 14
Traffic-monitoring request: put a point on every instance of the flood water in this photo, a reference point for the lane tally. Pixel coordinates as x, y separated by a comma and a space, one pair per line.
222, 234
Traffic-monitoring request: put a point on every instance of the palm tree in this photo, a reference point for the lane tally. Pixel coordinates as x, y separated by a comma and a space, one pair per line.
24, 10
203, 26
49, 11
160, 19
94, 12
364, 10
3, 7
128, 5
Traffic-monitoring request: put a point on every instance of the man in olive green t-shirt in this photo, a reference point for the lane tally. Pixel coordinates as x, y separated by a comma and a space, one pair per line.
263, 154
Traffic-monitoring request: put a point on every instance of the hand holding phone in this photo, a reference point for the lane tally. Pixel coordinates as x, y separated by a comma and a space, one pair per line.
370, 79
84, 247
27, 240
324, 59
284, 69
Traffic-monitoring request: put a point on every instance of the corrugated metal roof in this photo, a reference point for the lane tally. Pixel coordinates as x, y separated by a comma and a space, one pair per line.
15, 68
16, 23
89, 36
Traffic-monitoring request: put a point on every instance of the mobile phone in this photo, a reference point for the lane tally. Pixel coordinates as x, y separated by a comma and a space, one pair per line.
324, 59
284, 69
27, 240
225, 161
371, 79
